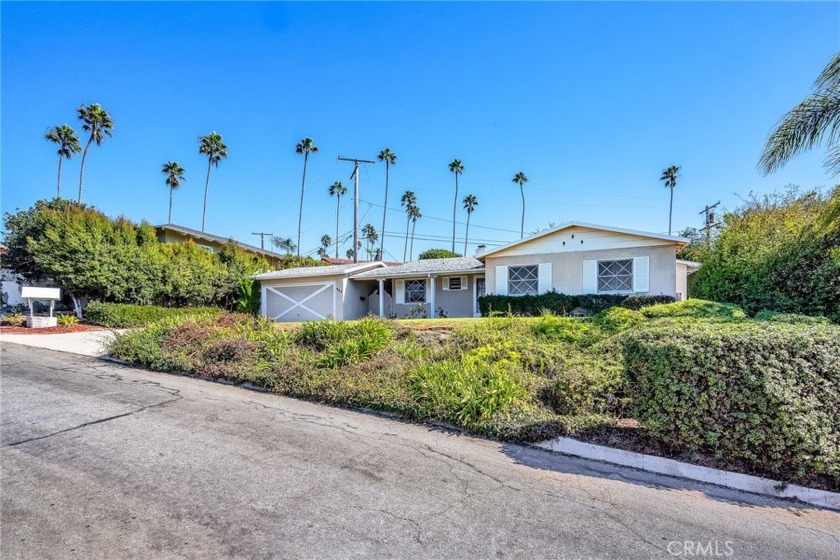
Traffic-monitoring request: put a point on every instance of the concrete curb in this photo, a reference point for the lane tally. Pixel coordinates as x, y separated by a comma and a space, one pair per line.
671, 467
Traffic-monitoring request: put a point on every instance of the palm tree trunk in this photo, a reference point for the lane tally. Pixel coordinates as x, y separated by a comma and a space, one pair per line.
206, 188
337, 209
58, 192
454, 208
82, 171
522, 223
405, 250
467, 234
670, 210
169, 220
411, 250
302, 187
384, 212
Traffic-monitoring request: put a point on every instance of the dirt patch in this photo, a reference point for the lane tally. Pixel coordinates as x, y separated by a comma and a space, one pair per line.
5, 329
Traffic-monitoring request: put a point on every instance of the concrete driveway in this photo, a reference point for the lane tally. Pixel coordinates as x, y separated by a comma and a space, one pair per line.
101, 461
85, 343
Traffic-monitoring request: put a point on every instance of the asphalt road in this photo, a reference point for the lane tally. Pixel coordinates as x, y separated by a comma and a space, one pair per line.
101, 461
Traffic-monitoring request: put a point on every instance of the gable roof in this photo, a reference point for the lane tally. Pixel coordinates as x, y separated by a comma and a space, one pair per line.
681, 241
216, 239
306, 271
426, 266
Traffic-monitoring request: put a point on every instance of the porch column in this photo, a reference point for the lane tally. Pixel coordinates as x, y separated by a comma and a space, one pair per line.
431, 296
263, 302
381, 298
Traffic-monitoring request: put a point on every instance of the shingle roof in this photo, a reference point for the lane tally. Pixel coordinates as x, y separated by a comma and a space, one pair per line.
433, 266
216, 238
306, 271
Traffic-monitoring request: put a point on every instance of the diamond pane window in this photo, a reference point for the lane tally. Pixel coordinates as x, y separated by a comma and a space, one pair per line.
615, 276
523, 280
415, 291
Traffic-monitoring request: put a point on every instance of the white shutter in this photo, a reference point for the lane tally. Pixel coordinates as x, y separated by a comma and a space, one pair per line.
399, 291
501, 280
641, 274
590, 277
544, 278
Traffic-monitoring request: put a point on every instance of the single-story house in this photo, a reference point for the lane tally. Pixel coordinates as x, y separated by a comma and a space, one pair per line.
574, 258
171, 233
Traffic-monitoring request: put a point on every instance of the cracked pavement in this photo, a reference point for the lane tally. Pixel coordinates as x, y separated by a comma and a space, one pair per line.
103, 461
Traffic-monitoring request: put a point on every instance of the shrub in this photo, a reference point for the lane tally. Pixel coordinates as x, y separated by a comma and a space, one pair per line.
566, 329
123, 315
14, 320
563, 304
617, 319
356, 343
696, 309
764, 393
792, 318
66, 320
437, 254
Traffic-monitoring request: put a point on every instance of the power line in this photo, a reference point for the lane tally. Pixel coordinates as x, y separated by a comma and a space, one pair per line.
262, 235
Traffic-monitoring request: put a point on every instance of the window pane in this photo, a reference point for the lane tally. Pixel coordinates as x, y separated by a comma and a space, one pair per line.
455, 283
522, 280
415, 291
615, 276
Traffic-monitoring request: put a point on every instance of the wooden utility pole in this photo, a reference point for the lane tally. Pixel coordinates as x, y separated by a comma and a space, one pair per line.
262, 235
709, 219
355, 178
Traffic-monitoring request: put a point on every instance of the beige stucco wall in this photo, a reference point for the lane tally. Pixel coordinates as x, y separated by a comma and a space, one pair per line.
682, 281
567, 267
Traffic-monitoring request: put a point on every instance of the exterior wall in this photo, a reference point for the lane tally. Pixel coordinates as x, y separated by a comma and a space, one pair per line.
354, 306
567, 266
454, 303
574, 239
170, 236
272, 310
682, 281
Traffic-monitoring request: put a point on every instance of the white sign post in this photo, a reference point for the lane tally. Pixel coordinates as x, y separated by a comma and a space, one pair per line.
31, 294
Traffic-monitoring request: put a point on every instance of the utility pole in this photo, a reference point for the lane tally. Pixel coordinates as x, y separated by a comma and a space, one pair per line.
262, 235
709, 220
355, 178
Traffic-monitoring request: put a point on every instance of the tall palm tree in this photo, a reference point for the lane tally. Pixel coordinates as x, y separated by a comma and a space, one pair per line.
414, 215
215, 149
408, 201
805, 127
337, 190
68, 144
305, 147
470, 202
390, 158
669, 176
287, 244
174, 175
456, 168
370, 236
98, 122
326, 241
520, 178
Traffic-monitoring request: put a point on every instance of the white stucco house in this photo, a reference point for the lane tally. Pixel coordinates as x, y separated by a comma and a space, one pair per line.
574, 258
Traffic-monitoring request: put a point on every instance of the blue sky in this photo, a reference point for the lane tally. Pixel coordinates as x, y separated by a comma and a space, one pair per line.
591, 101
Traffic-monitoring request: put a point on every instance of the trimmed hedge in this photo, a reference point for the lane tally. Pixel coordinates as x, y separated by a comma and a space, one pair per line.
792, 318
126, 315
563, 304
766, 393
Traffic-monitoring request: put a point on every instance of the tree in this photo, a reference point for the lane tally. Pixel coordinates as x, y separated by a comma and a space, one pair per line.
215, 149
68, 144
350, 253
414, 215
669, 177
98, 122
408, 200
287, 244
437, 254
470, 202
390, 158
337, 190
456, 168
806, 125
520, 178
174, 175
370, 236
326, 241
305, 147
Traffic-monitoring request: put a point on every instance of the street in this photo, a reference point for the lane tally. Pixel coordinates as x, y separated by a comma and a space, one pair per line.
104, 461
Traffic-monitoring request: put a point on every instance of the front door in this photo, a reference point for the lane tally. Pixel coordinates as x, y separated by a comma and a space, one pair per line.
479, 291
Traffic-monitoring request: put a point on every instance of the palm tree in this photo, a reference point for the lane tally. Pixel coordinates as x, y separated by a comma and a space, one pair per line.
98, 122
337, 190
408, 200
215, 150
370, 236
174, 175
68, 144
390, 158
520, 178
287, 244
669, 176
414, 215
806, 125
470, 202
326, 241
457, 168
305, 147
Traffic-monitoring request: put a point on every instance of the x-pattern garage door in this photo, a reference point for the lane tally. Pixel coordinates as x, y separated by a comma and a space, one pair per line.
300, 302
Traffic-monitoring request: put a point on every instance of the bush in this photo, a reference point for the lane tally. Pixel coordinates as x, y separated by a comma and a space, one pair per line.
791, 318
696, 309
764, 393
14, 320
566, 329
124, 315
563, 304
617, 319
67, 320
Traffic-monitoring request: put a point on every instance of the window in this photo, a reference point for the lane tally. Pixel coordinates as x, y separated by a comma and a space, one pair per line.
455, 283
523, 280
415, 291
615, 276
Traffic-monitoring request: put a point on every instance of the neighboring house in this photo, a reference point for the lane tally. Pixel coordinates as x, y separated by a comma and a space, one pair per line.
171, 233
575, 258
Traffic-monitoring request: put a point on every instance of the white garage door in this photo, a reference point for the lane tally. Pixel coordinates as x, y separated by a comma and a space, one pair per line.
300, 302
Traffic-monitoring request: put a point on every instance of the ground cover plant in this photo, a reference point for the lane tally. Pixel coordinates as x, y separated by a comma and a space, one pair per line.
698, 377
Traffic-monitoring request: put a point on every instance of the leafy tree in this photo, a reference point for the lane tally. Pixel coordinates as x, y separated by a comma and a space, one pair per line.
287, 244
669, 177
520, 179
305, 147
174, 175
437, 254
215, 149
408, 201
698, 245
68, 144
337, 190
98, 122
470, 202
807, 125
390, 158
456, 168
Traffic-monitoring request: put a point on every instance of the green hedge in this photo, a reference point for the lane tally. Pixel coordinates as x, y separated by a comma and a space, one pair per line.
125, 315
766, 393
563, 304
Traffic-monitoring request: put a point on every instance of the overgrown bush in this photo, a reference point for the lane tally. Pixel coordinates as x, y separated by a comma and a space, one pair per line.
563, 304
617, 319
66, 320
792, 318
696, 309
124, 315
14, 320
